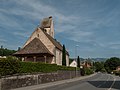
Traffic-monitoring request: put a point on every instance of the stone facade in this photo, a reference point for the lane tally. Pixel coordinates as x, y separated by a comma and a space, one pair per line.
12, 82
45, 33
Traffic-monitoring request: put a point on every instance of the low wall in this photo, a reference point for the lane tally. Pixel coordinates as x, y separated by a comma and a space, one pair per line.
17, 81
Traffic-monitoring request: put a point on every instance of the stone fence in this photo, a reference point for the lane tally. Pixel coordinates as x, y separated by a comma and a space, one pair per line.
11, 82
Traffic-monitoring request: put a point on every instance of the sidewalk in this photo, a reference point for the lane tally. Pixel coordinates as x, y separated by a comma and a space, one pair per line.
45, 85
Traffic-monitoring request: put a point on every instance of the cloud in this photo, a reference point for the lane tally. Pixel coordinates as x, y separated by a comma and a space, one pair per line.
91, 24
3, 40
22, 34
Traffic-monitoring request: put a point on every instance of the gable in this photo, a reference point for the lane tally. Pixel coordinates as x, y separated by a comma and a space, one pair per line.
34, 47
38, 33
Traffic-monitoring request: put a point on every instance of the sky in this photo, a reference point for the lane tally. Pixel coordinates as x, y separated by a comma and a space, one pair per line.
88, 28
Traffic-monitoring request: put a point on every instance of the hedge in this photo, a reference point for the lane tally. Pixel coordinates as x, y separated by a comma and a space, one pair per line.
31, 67
9, 66
12, 65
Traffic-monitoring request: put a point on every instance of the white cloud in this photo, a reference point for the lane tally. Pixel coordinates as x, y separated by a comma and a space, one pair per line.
22, 34
80, 36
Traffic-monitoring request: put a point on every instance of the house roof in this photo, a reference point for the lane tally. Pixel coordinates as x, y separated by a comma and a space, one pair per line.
34, 47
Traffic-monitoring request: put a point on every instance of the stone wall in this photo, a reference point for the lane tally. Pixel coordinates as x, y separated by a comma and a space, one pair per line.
17, 81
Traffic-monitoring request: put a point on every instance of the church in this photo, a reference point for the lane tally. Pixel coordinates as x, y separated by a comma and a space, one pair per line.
41, 45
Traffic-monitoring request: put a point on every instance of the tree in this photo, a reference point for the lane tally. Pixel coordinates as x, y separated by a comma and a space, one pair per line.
6, 52
78, 62
1, 46
99, 66
64, 56
19, 48
111, 64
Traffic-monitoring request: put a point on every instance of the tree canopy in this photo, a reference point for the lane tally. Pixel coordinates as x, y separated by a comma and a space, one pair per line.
99, 66
6, 52
111, 64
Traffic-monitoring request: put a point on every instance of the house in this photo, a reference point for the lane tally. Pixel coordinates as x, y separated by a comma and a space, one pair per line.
73, 63
83, 64
118, 68
41, 45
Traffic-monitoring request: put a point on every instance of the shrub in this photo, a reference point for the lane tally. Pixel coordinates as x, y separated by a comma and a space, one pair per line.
66, 68
88, 71
82, 72
31, 67
9, 66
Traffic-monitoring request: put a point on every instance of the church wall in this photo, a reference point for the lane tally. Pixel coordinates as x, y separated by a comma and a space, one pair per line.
58, 57
52, 29
40, 34
67, 60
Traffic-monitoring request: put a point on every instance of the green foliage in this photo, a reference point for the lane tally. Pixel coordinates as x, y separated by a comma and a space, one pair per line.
66, 68
99, 66
6, 52
82, 71
88, 71
70, 60
78, 62
9, 66
32, 67
116, 72
64, 56
111, 64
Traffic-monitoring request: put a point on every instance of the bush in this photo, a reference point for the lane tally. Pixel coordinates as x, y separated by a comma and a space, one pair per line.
82, 72
117, 73
31, 67
66, 68
88, 71
9, 66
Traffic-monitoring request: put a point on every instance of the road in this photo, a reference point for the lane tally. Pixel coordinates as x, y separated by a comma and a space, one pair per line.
98, 82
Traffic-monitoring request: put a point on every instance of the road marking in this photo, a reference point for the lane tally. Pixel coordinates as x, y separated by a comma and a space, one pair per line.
99, 77
104, 82
112, 83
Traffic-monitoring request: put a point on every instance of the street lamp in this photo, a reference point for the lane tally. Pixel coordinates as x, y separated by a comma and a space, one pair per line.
76, 57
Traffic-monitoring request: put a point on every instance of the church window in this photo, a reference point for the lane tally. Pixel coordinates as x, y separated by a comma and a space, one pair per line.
38, 35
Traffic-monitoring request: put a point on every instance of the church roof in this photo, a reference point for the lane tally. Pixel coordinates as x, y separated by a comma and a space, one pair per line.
54, 41
34, 47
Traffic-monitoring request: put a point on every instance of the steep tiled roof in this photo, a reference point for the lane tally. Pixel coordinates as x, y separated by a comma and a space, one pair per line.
34, 47
54, 41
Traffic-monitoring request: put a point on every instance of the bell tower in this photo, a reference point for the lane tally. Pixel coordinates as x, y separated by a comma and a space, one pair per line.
48, 25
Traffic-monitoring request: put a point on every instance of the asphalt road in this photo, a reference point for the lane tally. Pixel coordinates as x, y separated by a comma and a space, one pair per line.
98, 82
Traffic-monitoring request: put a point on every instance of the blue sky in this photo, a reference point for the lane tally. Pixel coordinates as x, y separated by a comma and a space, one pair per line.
92, 25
